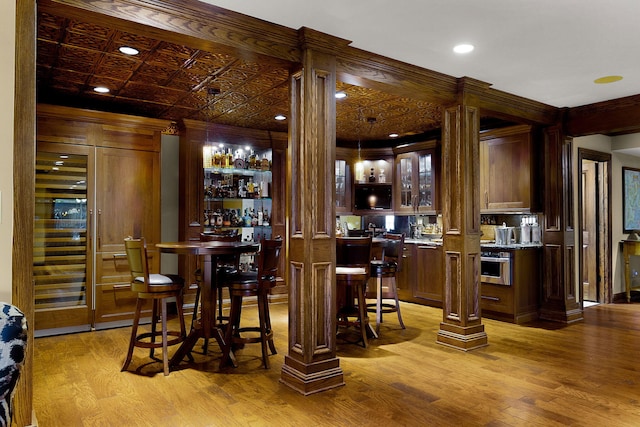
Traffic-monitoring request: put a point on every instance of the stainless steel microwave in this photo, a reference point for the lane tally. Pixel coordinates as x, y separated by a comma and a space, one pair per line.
373, 197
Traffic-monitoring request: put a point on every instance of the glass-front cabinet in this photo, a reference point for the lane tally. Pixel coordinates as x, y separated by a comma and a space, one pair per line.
61, 246
415, 189
237, 191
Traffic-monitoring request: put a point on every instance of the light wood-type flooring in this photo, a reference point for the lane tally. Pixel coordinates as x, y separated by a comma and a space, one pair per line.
541, 374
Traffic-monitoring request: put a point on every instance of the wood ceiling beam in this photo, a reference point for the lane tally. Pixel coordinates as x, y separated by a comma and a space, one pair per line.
614, 117
363, 68
211, 28
187, 22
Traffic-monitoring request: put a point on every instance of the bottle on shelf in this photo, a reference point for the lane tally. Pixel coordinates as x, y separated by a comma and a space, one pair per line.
382, 178
238, 161
217, 159
264, 163
228, 162
252, 160
372, 176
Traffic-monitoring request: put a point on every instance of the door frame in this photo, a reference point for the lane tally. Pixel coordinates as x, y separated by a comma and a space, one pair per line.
605, 294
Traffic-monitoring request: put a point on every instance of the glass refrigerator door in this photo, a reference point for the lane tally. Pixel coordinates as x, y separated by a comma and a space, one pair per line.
60, 232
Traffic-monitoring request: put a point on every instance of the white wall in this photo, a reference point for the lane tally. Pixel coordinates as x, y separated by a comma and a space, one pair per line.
7, 82
606, 144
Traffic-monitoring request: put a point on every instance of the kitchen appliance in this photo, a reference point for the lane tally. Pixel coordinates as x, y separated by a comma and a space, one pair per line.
505, 235
495, 267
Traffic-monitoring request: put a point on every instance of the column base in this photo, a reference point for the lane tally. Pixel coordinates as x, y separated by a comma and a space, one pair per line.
311, 378
462, 338
562, 315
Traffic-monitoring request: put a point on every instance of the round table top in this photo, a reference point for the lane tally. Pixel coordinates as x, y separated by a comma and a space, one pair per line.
207, 248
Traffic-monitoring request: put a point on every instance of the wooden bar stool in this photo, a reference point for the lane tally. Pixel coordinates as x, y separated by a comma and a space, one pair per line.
383, 283
353, 257
253, 284
159, 288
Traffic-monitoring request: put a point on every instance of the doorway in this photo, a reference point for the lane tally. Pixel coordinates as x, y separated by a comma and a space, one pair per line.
594, 218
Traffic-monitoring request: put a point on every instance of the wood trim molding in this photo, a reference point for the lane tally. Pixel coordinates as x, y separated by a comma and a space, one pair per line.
24, 140
202, 23
615, 117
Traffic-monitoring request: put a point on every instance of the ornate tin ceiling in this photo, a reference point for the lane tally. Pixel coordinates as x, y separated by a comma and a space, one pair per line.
170, 81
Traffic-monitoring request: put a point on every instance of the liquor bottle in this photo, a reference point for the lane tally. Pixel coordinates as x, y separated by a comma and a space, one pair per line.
217, 159
372, 176
238, 162
252, 160
264, 163
382, 178
250, 187
229, 159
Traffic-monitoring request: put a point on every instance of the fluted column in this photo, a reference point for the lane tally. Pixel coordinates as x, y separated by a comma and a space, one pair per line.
461, 325
311, 364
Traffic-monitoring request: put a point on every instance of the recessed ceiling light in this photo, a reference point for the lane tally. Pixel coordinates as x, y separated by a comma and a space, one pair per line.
128, 50
101, 89
340, 95
393, 135
280, 117
463, 48
607, 79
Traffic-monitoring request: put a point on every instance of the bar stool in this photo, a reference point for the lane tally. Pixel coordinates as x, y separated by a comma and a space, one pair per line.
249, 284
383, 278
158, 288
353, 257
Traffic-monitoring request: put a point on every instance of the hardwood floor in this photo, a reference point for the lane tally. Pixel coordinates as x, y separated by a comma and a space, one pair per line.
540, 374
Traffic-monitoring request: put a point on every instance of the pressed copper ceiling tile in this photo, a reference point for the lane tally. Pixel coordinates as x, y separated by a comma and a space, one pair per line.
66, 86
177, 51
176, 113
85, 42
139, 42
157, 72
71, 76
116, 67
89, 28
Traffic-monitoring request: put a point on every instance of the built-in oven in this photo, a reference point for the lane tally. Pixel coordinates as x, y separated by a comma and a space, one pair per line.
495, 267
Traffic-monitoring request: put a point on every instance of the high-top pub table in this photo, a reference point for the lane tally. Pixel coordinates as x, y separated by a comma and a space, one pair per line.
209, 253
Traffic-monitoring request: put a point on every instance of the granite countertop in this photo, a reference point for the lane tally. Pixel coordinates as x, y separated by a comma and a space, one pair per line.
483, 244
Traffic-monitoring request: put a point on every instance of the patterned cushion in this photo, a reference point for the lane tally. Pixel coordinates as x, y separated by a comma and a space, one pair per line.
13, 342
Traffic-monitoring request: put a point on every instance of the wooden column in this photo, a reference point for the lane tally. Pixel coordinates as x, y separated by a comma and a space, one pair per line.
559, 302
311, 364
461, 326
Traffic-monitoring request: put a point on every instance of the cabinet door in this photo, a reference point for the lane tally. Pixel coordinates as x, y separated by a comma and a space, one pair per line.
127, 197
127, 204
343, 187
429, 277
405, 182
406, 277
425, 192
415, 182
62, 266
505, 173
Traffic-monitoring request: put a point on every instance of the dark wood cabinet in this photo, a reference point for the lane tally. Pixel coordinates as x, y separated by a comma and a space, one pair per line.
407, 275
420, 280
429, 275
519, 302
507, 170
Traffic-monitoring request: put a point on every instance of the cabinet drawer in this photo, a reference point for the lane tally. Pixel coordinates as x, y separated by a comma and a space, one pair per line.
496, 298
115, 302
